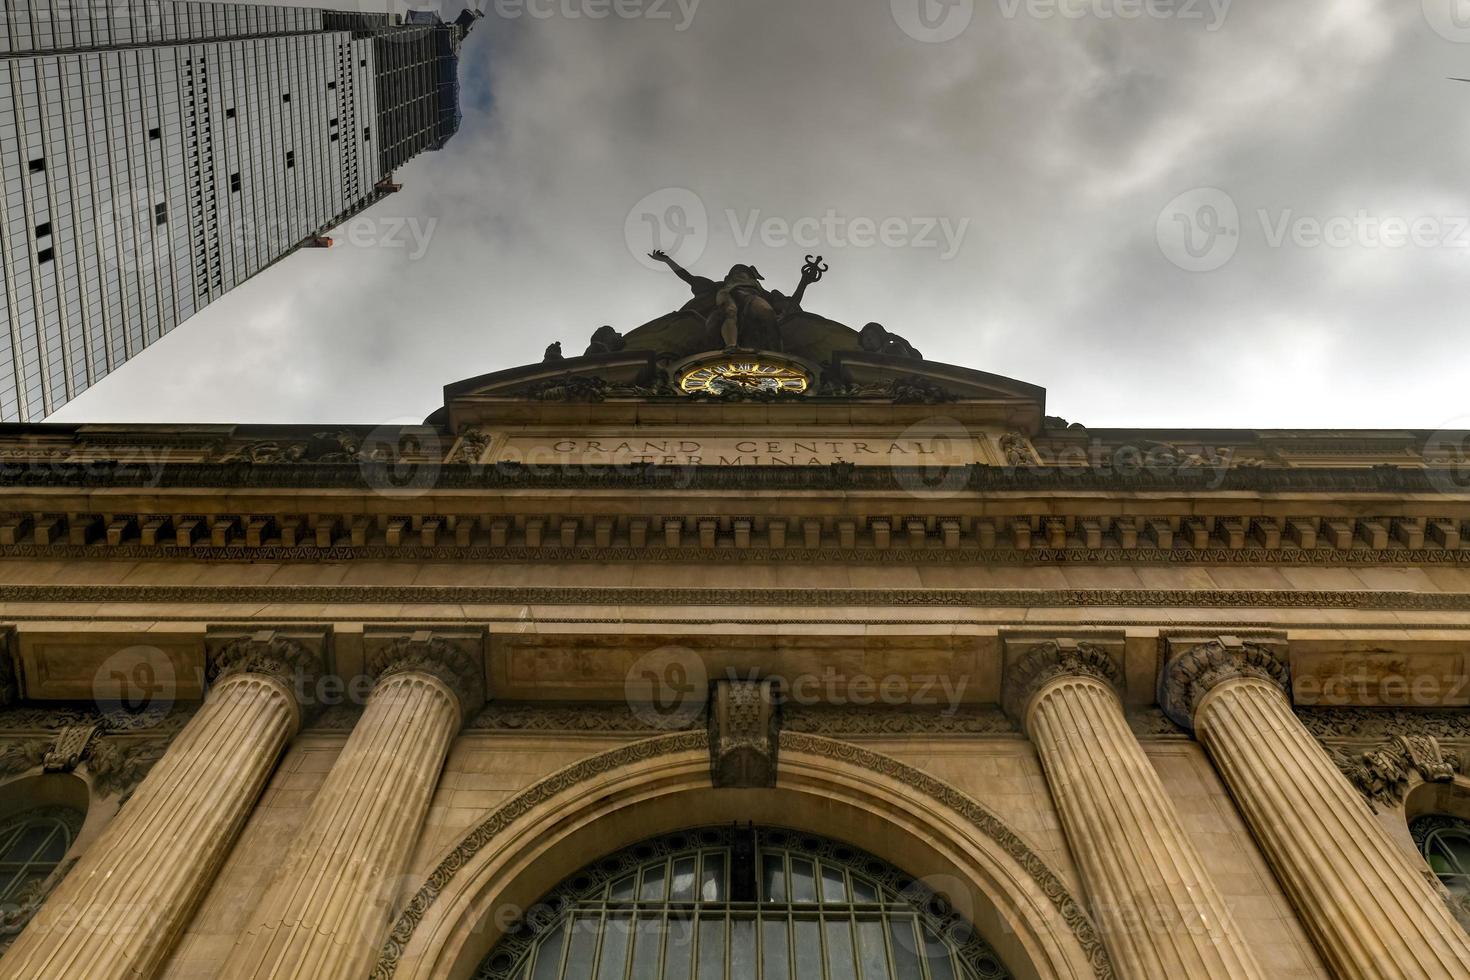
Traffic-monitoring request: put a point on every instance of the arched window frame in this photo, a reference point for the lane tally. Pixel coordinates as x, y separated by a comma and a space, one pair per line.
26, 876
617, 888
1430, 832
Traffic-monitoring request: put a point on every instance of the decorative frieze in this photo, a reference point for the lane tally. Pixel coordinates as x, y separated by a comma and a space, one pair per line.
1383, 723
598, 717
46, 718
744, 728
897, 720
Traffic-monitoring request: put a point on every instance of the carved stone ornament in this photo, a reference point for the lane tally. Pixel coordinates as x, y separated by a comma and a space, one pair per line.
472, 446
457, 660
1384, 723
1188, 677
118, 765
1018, 450
744, 728
115, 764
1383, 773
342, 446
265, 652
888, 720
70, 746
1045, 662
609, 717
19, 756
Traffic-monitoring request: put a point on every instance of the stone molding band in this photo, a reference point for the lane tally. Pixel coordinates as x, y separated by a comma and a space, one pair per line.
1360, 600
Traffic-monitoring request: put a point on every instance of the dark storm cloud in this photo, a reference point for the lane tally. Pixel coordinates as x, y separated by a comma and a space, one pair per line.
1047, 138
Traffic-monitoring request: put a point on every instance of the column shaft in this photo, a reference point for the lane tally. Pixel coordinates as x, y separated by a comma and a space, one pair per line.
1159, 911
1372, 914
122, 907
327, 909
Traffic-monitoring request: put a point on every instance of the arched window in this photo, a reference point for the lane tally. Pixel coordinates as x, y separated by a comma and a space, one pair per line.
32, 844
1445, 843
726, 903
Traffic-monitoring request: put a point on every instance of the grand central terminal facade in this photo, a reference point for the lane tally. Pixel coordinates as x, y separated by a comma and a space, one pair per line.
746, 644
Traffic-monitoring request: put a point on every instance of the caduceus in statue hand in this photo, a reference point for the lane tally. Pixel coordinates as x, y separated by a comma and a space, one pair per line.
740, 311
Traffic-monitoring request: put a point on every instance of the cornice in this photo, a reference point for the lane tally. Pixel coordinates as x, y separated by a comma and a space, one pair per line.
1357, 557
1365, 600
378, 475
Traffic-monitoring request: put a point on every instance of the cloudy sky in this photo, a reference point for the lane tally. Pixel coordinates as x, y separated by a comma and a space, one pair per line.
1247, 213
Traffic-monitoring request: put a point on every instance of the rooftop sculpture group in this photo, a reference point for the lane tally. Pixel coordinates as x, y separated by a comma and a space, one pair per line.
740, 311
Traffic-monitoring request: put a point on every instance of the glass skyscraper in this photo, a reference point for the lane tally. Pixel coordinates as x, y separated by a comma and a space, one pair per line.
157, 153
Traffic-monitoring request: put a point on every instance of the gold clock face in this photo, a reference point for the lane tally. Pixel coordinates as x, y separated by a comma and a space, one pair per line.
745, 375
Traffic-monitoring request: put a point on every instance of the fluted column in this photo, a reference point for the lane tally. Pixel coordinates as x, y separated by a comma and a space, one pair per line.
1160, 913
1373, 914
327, 909
119, 911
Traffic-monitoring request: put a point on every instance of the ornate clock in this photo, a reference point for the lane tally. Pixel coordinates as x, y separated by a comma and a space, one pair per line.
746, 375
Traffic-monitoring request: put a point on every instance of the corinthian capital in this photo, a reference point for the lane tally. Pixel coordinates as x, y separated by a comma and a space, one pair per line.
295, 659
456, 659
1187, 677
1041, 664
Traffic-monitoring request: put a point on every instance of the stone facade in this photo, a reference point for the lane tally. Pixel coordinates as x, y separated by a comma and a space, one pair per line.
339, 703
